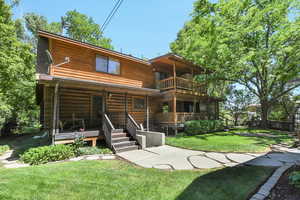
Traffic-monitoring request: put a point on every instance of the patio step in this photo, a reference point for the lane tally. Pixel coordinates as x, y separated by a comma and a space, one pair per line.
120, 139
127, 148
124, 144
119, 135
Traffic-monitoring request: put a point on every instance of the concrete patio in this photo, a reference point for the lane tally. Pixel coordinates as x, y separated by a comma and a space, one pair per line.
168, 157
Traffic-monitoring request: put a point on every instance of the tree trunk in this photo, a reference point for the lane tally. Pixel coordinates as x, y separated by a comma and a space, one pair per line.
236, 119
264, 114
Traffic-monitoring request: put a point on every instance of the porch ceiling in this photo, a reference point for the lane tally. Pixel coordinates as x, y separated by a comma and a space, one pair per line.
88, 84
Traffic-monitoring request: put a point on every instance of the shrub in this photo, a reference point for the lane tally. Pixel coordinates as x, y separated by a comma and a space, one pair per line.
42, 155
93, 150
195, 127
294, 179
3, 149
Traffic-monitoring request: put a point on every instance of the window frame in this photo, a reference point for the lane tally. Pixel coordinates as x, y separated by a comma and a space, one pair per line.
134, 103
107, 66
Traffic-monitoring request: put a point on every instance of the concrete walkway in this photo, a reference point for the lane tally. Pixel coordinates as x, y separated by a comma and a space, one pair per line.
168, 157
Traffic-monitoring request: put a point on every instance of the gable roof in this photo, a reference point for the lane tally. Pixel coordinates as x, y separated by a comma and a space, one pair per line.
171, 57
91, 46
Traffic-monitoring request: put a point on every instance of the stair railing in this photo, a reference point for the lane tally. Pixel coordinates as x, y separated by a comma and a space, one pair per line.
131, 125
108, 128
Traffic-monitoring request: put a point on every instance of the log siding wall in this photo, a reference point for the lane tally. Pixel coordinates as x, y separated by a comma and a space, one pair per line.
78, 103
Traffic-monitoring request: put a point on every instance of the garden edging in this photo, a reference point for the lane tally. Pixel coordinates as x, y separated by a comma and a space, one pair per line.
265, 189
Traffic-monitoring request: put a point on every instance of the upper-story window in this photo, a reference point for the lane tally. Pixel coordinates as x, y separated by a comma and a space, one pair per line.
108, 65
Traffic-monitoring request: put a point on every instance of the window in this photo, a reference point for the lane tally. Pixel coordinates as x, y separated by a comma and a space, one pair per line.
138, 103
108, 65
113, 66
101, 63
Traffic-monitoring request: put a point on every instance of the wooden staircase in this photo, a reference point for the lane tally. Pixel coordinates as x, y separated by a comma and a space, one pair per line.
121, 141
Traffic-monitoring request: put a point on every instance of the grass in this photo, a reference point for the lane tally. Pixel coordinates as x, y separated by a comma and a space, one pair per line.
229, 142
118, 180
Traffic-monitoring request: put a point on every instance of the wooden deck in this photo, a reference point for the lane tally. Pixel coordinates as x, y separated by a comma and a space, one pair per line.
70, 137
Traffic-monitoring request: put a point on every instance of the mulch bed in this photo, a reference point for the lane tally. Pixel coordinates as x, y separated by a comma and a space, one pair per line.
283, 190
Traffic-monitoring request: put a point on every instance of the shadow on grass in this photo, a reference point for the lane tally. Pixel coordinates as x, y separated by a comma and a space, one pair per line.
21, 143
234, 183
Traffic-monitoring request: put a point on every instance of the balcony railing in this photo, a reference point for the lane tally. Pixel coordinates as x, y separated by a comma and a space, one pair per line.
182, 83
181, 117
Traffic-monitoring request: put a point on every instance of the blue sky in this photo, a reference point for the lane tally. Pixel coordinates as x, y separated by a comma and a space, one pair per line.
141, 28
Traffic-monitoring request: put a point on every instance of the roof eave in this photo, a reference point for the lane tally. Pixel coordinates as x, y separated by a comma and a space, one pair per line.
91, 46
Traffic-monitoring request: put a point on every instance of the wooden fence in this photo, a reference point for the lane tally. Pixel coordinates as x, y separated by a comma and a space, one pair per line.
280, 125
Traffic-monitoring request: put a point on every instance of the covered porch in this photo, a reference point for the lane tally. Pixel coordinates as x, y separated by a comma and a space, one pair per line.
76, 108
177, 108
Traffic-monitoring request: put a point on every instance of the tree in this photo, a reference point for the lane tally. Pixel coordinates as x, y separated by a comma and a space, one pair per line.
81, 27
237, 103
17, 80
284, 108
255, 43
74, 24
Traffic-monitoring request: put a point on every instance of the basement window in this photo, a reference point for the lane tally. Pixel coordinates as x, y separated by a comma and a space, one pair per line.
107, 65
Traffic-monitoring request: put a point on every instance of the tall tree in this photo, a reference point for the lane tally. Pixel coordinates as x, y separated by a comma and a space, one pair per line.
81, 27
35, 22
255, 43
237, 103
74, 24
16, 74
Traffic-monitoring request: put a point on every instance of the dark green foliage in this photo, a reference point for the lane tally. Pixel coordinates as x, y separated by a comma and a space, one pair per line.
3, 149
45, 154
81, 27
76, 25
252, 43
294, 179
195, 127
17, 81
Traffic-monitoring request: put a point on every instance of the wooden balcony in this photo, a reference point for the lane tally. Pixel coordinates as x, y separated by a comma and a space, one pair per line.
183, 84
182, 117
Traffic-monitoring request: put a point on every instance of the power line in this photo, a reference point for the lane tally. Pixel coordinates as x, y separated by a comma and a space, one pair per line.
111, 15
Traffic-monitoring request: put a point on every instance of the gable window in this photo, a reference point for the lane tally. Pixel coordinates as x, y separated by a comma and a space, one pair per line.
138, 103
107, 65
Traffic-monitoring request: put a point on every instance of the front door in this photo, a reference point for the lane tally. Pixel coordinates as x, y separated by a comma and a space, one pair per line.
97, 112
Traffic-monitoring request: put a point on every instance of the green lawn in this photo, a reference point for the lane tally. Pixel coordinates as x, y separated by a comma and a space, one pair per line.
118, 180
228, 142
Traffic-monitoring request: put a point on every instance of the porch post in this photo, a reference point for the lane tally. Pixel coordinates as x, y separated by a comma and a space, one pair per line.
147, 112
175, 113
54, 117
126, 109
174, 74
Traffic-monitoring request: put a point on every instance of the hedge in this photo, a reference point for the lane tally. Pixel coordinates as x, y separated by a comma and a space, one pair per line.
195, 127
45, 154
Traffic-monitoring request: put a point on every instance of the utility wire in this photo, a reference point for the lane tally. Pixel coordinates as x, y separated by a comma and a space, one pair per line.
111, 15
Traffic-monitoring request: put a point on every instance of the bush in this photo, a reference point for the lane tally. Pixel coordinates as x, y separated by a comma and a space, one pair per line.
195, 127
294, 179
3, 149
42, 155
93, 150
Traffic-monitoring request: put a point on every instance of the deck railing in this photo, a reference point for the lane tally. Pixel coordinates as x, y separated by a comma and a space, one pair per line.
182, 83
108, 128
131, 125
181, 117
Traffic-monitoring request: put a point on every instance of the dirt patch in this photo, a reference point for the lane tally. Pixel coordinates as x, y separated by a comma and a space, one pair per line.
283, 190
